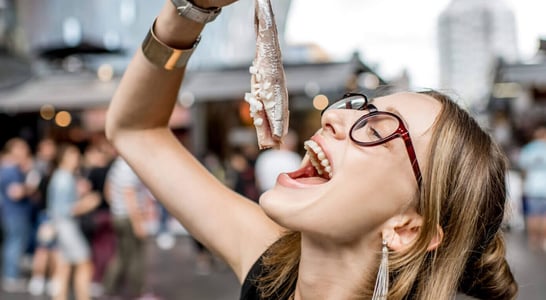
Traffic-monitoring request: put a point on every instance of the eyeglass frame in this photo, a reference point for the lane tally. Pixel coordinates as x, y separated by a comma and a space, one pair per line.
401, 131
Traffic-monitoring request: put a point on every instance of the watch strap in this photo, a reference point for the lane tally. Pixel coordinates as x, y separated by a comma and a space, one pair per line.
195, 13
164, 56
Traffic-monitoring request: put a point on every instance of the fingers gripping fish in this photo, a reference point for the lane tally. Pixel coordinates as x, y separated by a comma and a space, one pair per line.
268, 98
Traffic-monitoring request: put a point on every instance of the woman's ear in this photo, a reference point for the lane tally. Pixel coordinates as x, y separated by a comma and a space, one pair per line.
402, 230
438, 238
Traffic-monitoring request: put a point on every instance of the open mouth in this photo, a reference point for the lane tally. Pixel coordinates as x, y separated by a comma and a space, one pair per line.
317, 169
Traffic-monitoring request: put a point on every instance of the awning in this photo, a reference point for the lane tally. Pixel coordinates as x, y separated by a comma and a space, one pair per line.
531, 74
85, 90
66, 90
215, 85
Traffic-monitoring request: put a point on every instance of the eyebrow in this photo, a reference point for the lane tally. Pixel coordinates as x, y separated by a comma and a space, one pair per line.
396, 112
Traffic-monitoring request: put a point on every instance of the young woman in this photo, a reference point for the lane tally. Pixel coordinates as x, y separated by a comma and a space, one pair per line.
413, 192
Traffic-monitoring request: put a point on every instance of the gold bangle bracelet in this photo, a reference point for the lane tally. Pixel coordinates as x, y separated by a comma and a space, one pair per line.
164, 56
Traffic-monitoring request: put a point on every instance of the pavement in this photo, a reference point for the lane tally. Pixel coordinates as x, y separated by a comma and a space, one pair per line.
174, 273
528, 266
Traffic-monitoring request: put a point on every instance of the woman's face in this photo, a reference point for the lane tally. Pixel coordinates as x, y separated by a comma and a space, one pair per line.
368, 185
71, 159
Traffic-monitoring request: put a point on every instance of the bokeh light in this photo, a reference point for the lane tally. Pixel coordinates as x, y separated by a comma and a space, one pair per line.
368, 80
312, 89
320, 102
63, 119
47, 112
187, 99
105, 72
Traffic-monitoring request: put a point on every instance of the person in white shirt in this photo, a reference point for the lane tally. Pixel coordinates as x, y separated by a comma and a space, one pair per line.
126, 195
273, 162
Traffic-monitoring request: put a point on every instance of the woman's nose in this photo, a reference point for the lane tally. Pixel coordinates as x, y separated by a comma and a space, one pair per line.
334, 123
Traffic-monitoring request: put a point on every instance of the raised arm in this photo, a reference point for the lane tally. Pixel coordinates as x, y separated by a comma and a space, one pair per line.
228, 224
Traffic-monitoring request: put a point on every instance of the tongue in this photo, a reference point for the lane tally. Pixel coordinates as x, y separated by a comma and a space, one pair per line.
307, 175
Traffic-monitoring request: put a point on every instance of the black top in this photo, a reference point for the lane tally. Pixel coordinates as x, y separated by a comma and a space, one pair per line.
249, 289
97, 178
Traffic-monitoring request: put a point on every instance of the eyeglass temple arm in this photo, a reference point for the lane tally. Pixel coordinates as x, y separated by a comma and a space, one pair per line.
413, 158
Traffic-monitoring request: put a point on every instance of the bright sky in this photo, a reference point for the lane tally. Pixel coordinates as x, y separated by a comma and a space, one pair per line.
395, 34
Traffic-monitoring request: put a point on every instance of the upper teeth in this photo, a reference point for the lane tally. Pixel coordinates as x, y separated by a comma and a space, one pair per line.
318, 159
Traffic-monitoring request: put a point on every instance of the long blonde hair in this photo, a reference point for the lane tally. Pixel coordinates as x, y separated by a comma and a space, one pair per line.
463, 190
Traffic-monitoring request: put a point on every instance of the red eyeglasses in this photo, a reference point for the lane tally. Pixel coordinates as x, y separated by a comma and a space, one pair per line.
376, 127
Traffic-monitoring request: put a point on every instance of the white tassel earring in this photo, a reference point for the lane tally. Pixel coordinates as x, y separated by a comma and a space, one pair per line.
382, 281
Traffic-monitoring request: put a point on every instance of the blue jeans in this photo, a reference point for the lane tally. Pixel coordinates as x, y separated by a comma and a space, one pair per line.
163, 218
16, 229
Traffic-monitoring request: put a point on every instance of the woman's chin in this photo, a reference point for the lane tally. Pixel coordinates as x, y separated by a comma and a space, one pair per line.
284, 206
267, 200
274, 197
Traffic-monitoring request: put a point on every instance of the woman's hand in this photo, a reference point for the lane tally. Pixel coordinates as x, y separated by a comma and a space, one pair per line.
86, 203
139, 230
179, 32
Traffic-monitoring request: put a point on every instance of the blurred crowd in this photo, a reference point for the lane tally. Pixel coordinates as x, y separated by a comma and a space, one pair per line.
75, 219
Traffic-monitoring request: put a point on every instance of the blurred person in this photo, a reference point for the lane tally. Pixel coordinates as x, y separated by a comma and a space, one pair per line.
16, 212
97, 223
69, 196
126, 195
165, 239
532, 160
396, 212
272, 162
45, 156
43, 239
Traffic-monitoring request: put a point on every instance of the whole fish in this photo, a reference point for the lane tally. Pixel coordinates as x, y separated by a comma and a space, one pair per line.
268, 97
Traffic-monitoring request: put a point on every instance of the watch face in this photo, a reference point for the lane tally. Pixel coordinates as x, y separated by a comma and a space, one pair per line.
200, 15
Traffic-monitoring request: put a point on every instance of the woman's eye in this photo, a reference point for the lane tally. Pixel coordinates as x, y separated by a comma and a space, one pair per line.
374, 133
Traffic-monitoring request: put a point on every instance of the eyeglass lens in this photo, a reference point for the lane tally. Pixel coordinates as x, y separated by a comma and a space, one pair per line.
357, 102
375, 128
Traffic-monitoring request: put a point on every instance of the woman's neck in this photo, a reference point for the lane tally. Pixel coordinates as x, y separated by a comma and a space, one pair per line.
333, 271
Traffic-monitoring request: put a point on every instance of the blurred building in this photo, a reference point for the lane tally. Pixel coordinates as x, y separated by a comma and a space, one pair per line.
68, 56
518, 98
472, 34
57, 28
230, 39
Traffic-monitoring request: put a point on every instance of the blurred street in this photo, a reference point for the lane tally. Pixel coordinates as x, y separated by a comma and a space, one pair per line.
529, 267
173, 273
